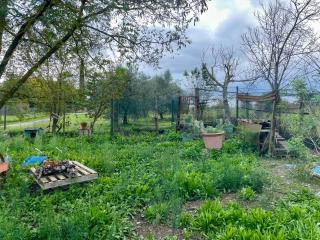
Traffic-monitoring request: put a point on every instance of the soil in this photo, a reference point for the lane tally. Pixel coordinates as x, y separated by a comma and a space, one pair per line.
158, 231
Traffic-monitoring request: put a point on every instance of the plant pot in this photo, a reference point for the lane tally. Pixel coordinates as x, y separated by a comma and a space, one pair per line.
4, 167
83, 125
213, 140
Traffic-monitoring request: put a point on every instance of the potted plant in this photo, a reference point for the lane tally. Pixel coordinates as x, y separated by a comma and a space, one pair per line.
213, 137
83, 125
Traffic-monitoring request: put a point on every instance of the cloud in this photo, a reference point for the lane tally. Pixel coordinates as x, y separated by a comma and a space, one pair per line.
222, 24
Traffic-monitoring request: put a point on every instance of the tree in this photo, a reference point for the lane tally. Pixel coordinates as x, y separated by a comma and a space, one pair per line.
276, 46
225, 61
164, 89
33, 31
102, 88
197, 82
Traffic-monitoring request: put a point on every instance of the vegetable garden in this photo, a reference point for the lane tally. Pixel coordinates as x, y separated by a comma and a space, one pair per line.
93, 145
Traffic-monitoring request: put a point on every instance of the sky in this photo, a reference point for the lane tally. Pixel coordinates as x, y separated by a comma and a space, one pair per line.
221, 25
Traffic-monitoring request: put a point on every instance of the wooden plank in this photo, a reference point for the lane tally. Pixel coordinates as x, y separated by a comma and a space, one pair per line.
82, 171
69, 181
60, 177
33, 170
83, 174
84, 167
52, 178
44, 180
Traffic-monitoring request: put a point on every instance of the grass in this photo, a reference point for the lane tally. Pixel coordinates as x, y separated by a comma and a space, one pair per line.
151, 176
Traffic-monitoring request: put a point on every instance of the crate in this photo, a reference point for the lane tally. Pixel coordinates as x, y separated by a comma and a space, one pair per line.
83, 174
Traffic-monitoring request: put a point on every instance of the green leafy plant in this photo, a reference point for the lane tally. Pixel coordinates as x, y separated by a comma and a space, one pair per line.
246, 193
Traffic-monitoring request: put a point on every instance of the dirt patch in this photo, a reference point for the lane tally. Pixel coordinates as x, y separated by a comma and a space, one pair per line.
192, 206
158, 231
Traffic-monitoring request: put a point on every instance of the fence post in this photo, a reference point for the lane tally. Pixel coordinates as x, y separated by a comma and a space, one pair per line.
112, 118
172, 110
237, 105
5, 118
197, 103
247, 107
178, 113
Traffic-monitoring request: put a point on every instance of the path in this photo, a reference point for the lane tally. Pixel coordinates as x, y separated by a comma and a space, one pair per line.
27, 123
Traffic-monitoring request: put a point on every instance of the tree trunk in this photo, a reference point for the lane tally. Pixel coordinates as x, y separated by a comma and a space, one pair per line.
23, 29
81, 75
7, 95
272, 133
226, 107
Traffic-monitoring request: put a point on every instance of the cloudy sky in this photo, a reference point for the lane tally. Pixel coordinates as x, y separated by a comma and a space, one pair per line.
222, 24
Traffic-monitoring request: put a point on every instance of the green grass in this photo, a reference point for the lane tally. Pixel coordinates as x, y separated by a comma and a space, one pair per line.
149, 175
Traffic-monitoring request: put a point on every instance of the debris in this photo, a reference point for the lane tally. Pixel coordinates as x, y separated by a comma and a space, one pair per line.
33, 160
54, 167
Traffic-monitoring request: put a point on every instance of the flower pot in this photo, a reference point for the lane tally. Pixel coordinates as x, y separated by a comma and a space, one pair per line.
213, 140
83, 125
4, 167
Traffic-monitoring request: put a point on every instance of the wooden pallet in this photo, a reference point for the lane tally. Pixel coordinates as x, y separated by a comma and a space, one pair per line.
83, 174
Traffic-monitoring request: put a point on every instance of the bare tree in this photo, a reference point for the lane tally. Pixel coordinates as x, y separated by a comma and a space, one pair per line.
276, 46
225, 63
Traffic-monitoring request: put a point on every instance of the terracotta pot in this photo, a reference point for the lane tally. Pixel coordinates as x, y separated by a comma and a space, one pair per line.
4, 167
213, 140
83, 125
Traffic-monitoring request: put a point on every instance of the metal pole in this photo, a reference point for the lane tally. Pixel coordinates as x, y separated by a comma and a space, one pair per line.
112, 118
178, 113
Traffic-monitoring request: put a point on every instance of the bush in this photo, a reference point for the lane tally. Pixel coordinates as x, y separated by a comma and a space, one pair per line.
235, 145
231, 179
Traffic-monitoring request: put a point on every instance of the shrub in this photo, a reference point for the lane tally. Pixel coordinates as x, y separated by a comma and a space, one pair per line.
231, 179
235, 145
256, 180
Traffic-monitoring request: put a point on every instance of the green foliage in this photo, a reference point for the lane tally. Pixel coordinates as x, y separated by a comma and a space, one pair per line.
246, 193
235, 145
296, 217
296, 146
156, 213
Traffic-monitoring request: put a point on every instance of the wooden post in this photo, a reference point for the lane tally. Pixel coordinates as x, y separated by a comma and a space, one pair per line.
5, 118
237, 106
247, 107
197, 103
